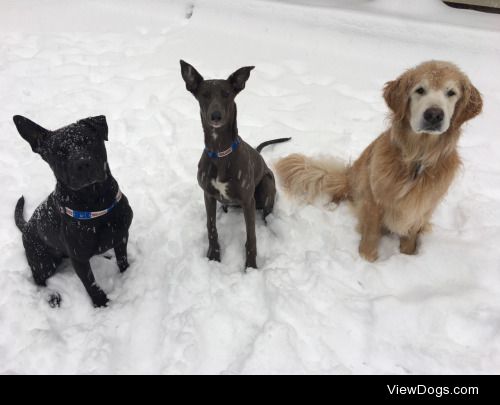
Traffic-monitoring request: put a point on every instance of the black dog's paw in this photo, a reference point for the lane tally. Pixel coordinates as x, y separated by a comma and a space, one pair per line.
99, 299
123, 266
214, 254
54, 300
189, 11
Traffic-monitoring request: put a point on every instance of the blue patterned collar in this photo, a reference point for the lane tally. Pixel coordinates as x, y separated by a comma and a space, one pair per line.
224, 153
91, 214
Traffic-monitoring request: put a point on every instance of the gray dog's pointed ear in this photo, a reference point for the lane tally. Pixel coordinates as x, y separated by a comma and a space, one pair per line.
191, 77
239, 78
98, 124
33, 133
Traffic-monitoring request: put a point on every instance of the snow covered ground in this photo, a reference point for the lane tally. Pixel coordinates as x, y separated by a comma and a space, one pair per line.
314, 306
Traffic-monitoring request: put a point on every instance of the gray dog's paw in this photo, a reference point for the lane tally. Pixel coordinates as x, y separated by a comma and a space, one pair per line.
251, 263
214, 254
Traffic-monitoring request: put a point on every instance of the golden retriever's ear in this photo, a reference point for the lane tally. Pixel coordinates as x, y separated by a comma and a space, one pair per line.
396, 96
471, 103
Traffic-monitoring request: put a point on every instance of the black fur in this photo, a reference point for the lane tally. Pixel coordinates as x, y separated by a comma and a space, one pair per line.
77, 156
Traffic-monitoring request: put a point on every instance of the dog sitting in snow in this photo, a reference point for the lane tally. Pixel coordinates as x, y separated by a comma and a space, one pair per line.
399, 179
87, 214
230, 171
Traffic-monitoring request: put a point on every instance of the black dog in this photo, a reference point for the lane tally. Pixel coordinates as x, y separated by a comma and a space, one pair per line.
85, 215
230, 171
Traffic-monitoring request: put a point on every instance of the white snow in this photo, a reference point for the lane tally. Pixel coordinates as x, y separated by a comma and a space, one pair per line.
314, 306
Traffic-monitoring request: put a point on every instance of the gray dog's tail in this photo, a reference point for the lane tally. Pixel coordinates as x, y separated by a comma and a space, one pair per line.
273, 141
18, 214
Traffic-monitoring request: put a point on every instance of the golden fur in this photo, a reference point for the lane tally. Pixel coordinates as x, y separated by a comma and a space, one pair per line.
399, 179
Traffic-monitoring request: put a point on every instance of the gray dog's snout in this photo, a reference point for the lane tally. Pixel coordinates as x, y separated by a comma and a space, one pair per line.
216, 116
434, 115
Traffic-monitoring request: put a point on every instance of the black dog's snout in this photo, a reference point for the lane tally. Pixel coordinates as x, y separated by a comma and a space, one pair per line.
216, 116
84, 171
434, 115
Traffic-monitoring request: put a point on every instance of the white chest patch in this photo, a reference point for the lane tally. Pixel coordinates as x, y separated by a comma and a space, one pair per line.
214, 135
221, 188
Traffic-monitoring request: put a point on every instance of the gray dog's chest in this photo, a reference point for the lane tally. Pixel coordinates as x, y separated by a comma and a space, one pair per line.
218, 184
227, 183
233, 180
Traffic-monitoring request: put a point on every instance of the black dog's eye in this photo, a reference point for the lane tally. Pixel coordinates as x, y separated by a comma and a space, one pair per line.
224, 93
420, 90
206, 94
450, 93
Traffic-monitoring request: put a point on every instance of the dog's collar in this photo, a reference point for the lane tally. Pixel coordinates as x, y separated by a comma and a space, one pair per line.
224, 153
91, 214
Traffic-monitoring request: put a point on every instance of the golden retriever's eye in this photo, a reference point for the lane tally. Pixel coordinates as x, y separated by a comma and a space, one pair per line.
450, 93
420, 91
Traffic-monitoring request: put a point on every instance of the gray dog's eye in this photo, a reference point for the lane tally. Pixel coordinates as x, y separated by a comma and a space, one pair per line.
450, 93
420, 90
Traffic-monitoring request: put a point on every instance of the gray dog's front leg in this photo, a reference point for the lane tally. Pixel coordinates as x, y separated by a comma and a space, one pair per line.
85, 274
251, 244
213, 239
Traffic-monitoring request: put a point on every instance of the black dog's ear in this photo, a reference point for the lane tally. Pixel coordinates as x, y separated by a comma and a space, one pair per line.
33, 133
98, 124
239, 78
191, 77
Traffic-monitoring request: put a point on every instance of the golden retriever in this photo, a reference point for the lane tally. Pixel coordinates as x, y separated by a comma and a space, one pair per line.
399, 179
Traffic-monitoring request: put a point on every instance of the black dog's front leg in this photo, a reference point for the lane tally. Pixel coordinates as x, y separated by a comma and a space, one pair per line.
251, 244
213, 239
121, 256
85, 274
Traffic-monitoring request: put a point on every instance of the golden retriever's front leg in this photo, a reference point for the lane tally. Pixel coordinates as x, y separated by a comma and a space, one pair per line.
371, 230
408, 244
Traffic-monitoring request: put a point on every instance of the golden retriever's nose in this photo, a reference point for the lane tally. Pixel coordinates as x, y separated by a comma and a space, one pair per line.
433, 115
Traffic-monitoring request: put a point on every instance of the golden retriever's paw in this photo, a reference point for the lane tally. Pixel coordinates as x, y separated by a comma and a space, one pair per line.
408, 248
368, 253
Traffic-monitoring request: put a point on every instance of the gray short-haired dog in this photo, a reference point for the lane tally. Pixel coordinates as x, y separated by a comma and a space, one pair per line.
230, 171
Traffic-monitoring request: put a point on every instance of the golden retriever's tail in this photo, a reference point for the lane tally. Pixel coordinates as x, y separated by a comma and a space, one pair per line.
309, 178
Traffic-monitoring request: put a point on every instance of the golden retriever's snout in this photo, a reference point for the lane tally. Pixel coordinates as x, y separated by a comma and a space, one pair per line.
431, 109
433, 119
